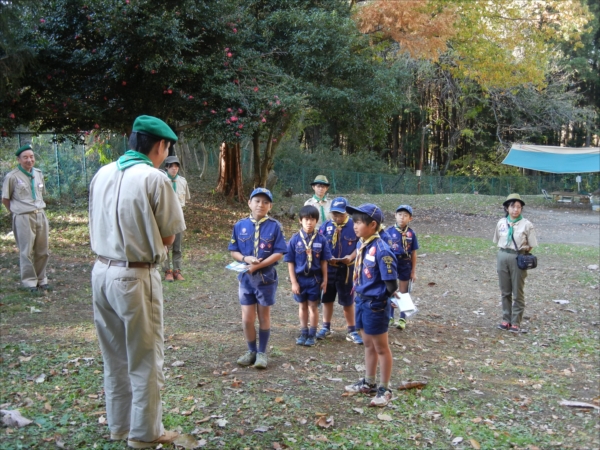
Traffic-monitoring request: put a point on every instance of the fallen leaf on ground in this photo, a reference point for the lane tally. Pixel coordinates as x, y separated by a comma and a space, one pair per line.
222, 423
178, 364
457, 440
101, 420
474, 444
325, 422
279, 400
261, 429
58, 441
412, 385
25, 358
334, 379
574, 404
47, 406
13, 418
186, 441
358, 410
206, 419
384, 417
477, 420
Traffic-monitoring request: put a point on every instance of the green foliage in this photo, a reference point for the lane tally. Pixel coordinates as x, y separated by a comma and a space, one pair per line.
482, 165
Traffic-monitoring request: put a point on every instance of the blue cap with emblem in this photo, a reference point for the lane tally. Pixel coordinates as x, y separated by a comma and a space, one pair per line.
339, 205
263, 191
369, 209
406, 208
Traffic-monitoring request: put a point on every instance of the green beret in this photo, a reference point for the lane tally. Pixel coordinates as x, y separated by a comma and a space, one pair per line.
22, 149
155, 127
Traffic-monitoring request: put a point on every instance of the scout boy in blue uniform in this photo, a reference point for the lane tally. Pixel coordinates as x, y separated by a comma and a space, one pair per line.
404, 244
259, 242
341, 240
307, 256
374, 282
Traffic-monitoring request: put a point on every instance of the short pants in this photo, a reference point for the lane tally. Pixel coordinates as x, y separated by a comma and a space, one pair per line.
404, 269
372, 314
310, 288
259, 287
340, 283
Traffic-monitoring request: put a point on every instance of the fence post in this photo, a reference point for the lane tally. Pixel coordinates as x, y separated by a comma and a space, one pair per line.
333, 180
380, 184
54, 141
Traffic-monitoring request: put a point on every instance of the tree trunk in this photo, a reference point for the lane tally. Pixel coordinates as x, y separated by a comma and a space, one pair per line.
230, 171
256, 157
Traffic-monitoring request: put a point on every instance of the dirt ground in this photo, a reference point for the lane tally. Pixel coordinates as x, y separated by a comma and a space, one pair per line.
506, 388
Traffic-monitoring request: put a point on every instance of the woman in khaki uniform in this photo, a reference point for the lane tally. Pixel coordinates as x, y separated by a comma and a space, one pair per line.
22, 195
514, 234
134, 213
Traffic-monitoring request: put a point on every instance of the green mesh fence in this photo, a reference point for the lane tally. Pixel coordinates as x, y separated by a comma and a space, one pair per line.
69, 167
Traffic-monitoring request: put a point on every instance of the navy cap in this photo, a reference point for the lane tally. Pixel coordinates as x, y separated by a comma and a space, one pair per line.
406, 208
339, 205
369, 209
264, 191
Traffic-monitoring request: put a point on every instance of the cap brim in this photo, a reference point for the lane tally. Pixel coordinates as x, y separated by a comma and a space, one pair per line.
353, 210
338, 210
513, 200
320, 182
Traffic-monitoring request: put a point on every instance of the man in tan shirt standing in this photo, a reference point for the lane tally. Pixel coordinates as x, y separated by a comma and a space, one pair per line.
134, 213
22, 195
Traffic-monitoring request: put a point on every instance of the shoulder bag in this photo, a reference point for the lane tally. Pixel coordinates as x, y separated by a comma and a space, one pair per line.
525, 261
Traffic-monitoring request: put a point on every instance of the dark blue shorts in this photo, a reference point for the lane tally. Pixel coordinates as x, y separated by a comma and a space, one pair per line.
339, 283
259, 287
310, 288
404, 269
372, 314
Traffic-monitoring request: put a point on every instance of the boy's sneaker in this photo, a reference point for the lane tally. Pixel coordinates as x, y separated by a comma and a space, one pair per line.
504, 326
382, 398
323, 333
310, 341
247, 359
516, 329
177, 275
401, 324
361, 387
301, 340
354, 337
261, 361
392, 322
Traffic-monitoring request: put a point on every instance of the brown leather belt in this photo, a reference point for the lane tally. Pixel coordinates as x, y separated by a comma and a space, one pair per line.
133, 265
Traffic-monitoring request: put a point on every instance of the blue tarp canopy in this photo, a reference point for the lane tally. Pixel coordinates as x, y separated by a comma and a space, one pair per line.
554, 159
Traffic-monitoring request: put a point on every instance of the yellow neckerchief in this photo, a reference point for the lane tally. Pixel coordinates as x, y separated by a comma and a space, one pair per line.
403, 233
308, 248
32, 179
319, 200
257, 224
338, 231
359, 257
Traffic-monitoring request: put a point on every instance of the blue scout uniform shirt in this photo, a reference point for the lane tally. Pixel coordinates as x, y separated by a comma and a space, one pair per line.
296, 253
378, 265
271, 239
395, 241
345, 245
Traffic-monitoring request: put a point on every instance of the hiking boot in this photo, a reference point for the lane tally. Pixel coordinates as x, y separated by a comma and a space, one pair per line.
504, 326
165, 439
401, 324
310, 341
247, 359
382, 398
261, 361
177, 275
354, 337
119, 436
169, 276
323, 333
361, 387
301, 340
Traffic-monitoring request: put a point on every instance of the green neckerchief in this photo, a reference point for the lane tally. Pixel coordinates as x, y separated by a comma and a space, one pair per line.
319, 200
173, 181
131, 158
511, 224
30, 175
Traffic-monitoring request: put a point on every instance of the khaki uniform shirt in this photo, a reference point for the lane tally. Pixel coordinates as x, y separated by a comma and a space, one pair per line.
17, 189
326, 207
183, 192
130, 212
523, 232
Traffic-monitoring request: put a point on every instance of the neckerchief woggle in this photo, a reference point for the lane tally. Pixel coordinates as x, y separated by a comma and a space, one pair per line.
403, 234
131, 158
32, 177
308, 248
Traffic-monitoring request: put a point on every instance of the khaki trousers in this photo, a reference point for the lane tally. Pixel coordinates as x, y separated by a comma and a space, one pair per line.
176, 248
31, 235
512, 287
128, 314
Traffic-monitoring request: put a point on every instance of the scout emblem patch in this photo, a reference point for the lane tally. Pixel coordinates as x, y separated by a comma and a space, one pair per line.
388, 260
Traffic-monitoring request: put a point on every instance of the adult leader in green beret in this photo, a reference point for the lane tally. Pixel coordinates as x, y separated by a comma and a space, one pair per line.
134, 213
23, 195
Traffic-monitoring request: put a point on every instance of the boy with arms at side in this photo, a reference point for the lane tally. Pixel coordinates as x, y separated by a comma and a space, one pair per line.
319, 200
182, 191
259, 242
307, 256
341, 239
374, 282
404, 244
